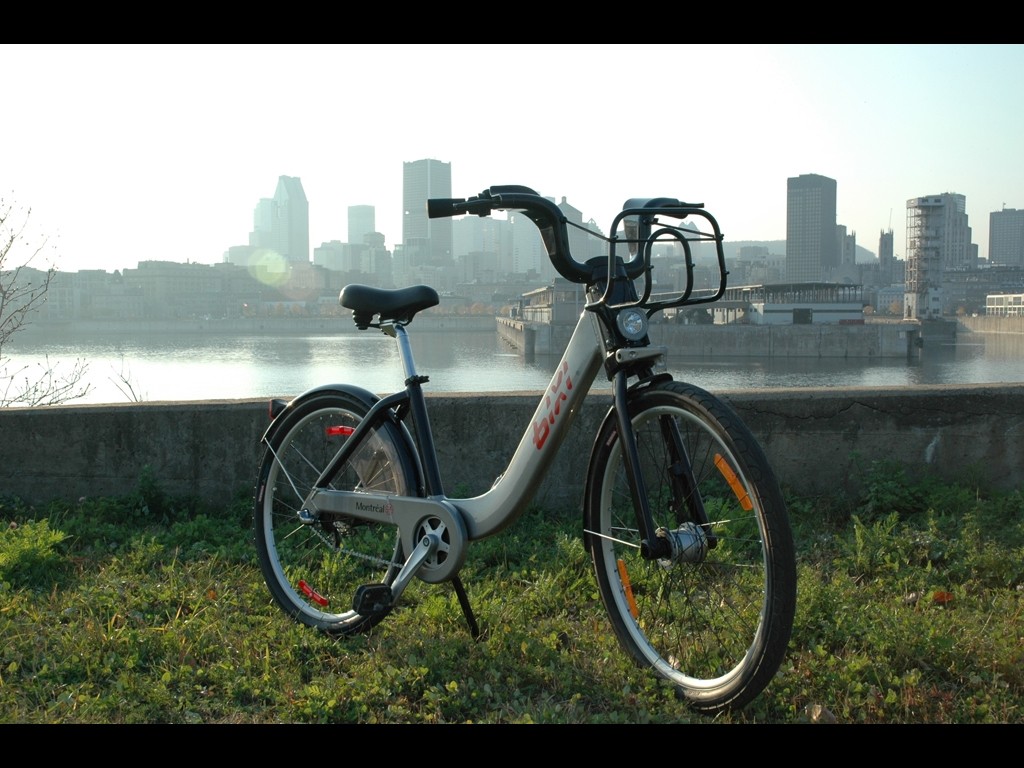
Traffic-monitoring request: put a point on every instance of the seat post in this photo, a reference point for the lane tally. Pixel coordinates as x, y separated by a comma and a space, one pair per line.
418, 410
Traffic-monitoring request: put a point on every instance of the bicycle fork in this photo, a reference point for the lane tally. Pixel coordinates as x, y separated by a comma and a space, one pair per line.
690, 540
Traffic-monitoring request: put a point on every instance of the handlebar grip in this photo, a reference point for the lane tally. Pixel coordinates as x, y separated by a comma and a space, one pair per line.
456, 206
544, 213
443, 206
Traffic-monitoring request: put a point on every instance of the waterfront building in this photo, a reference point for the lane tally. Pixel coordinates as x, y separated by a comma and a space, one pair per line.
889, 300
1006, 237
1005, 305
241, 255
337, 256
938, 242
966, 291
812, 303
166, 290
558, 303
757, 264
812, 241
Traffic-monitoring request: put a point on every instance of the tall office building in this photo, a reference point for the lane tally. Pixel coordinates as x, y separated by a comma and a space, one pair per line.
281, 223
361, 222
1006, 237
886, 257
938, 241
812, 243
426, 241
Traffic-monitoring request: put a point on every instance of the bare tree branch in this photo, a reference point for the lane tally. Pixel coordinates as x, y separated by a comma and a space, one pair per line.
23, 290
43, 384
125, 385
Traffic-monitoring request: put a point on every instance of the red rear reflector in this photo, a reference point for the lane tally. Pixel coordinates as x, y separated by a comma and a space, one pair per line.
340, 430
312, 594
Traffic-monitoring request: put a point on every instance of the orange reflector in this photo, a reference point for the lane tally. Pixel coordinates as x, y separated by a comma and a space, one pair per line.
624, 578
733, 481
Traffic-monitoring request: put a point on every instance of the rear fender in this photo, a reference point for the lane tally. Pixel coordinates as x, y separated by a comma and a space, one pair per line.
364, 396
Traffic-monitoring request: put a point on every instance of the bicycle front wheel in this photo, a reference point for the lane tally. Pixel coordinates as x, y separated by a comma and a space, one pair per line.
313, 565
715, 617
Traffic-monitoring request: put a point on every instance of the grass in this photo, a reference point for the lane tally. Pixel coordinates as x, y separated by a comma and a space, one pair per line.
151, 609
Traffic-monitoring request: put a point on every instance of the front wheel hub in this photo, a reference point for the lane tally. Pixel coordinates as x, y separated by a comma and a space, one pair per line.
687, 544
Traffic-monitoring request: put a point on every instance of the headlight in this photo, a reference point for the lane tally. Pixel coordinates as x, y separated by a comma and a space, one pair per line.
632, 324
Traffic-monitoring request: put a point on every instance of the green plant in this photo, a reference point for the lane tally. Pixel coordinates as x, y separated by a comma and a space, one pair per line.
29, 554
113, 614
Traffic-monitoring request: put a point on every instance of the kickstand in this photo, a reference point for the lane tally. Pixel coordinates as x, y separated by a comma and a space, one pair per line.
466, 608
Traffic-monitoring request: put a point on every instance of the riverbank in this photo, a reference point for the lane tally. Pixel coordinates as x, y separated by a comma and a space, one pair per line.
508, 328
245, 326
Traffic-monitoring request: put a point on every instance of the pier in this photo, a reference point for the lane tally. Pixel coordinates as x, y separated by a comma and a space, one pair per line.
894, 339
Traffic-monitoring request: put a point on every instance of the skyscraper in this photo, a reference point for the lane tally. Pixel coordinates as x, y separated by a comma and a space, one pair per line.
426, 241
812, 245
281, 223
1006, 237
938, 240
361, 222
886, 256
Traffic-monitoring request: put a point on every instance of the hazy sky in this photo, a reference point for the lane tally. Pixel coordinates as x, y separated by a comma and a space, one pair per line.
127, 153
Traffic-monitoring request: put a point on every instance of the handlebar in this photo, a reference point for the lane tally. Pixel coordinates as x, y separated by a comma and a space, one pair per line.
547, 216
638, 217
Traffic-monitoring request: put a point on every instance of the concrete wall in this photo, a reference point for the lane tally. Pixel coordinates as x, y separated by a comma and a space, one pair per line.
818, 440
873, 340
992, 324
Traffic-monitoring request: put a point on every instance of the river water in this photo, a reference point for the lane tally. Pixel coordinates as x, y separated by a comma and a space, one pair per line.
214, 367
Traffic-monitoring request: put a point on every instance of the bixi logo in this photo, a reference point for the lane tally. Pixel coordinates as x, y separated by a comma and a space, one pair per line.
553, 399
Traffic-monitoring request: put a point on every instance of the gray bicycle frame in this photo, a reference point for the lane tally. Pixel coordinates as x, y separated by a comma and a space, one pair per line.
512, 492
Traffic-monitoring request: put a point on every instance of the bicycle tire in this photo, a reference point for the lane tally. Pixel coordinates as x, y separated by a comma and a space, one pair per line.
717, 628
313, 569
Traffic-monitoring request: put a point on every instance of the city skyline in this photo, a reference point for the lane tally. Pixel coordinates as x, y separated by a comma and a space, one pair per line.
129, 153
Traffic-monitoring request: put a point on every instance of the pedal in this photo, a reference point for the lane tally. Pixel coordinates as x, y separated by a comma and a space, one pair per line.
372, 599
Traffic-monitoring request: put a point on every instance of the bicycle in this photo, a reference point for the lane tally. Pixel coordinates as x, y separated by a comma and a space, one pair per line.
683, 518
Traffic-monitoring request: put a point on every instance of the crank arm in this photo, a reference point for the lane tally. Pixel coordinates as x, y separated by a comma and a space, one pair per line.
378, 599
424, 550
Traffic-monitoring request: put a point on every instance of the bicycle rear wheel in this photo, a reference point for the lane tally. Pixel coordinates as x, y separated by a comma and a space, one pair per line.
313, 566
715, 618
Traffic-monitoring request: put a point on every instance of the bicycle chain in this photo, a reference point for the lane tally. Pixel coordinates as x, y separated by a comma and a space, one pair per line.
351, 552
